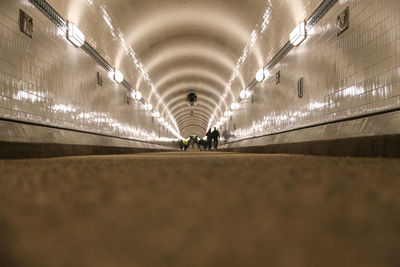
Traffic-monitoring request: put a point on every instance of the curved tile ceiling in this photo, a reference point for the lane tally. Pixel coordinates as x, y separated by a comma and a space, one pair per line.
170, 47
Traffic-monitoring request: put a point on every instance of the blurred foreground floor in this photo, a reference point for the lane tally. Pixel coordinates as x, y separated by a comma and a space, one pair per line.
199, 210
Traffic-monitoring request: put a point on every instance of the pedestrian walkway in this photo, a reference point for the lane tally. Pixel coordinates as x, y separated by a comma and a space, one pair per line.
200, 209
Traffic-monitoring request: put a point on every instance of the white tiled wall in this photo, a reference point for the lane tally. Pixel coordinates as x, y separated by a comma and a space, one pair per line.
47, 80
345, 76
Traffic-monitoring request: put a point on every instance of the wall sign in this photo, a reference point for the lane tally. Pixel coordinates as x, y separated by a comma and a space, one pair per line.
99, 79
300, 87
342, 21
25, 23
128, 100
278, 77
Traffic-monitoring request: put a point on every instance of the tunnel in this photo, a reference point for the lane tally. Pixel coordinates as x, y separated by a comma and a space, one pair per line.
201, 133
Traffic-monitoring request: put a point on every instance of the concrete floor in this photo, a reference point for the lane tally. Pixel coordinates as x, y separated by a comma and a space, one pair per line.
200, 209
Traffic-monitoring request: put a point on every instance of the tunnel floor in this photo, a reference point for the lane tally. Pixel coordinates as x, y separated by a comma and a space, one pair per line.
200, 209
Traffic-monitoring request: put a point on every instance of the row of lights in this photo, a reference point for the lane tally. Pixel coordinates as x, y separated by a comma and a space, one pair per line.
234, 106
116, 33
297, 36
77, 38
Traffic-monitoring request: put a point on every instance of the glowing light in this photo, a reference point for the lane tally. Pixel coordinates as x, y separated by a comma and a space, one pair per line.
260, 75
235, 106
244, 94
74, 35
156, 114
137, 95
30, 96
298, 35
267, 73
63, 108
61, 31
228, 113
148, 107
118, 76
118, 34
255, 34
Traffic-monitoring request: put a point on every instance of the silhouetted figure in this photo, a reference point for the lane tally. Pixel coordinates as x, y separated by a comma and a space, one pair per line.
215, 137
201, 144
180, 142
194, 140
184, 144
209, 138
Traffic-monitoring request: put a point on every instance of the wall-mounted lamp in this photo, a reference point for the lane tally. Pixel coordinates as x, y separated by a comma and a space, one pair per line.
118, 76
262, 74
148, 107
298, 35
228, 113
137, 95
235, 106
74, 35
244, 94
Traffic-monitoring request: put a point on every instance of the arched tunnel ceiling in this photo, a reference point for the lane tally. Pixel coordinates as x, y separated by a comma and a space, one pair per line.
185, 45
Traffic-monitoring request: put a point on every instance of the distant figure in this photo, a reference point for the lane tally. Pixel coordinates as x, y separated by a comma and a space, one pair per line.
209, 138
180, 142
194, 140
215, 137
201, 144
184, 144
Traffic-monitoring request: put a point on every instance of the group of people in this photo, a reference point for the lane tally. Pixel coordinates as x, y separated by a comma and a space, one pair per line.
211, 140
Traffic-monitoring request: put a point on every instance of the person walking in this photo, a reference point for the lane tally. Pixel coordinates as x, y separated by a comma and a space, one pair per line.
215, 137
209, 138
192, 139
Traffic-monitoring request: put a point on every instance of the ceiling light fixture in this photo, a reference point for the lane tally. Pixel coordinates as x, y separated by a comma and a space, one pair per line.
138, 95
74, 35
244, 94
235, 106
228, 113
298, 35
260, 76
118, 76
148, 107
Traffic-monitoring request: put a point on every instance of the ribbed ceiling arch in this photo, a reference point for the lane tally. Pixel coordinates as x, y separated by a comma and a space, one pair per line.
204, 96
191, 125
188, 73
182, 116
200, 122
199, 46
204, 106
185, 45
204, 89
